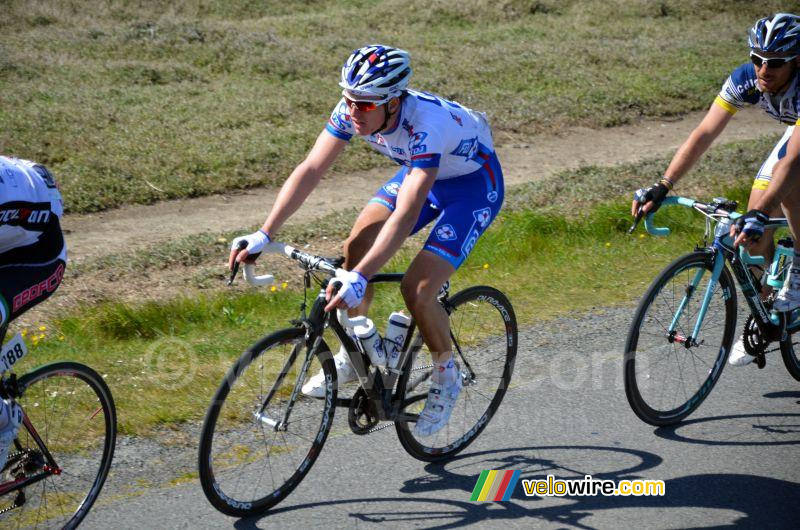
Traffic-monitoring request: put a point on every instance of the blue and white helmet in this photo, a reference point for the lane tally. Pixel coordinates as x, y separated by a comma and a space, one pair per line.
777, 33
376, 70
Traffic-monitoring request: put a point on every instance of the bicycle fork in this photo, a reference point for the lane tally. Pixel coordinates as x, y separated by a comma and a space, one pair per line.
692, 340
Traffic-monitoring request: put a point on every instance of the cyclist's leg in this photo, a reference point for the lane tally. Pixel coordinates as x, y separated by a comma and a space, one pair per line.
369, 224
766, 245
28, 275
470, 204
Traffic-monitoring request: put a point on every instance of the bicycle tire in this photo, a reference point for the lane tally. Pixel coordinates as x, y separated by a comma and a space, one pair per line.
790, 351
224, 436
648, 350
51, 400
494, 350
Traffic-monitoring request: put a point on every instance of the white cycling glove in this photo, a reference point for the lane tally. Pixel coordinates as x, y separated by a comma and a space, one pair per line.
354, 284
255, 242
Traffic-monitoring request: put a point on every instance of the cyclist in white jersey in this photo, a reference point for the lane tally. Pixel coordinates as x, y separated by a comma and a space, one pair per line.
32, 255
449, 174
769, 80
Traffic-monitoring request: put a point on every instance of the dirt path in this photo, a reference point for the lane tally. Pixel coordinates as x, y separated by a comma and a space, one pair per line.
533, 159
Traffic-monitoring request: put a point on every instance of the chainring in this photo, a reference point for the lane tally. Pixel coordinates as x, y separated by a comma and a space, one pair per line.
754, 342
361, 415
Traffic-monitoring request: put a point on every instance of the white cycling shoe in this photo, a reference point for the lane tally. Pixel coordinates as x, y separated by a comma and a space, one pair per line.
739, 356
438, 408
9, 432
788, 297
315, 387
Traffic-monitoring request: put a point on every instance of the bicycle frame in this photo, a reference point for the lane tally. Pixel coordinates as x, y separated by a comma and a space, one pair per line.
772, 325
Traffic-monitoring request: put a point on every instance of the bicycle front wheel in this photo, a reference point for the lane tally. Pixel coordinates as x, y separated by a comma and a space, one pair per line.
71, 410
668, 373
250, 459
483, 329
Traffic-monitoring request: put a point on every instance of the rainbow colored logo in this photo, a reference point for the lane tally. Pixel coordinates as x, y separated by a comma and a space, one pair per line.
495, 485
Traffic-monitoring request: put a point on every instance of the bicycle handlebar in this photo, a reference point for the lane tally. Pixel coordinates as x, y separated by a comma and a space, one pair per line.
310, 261
668, 201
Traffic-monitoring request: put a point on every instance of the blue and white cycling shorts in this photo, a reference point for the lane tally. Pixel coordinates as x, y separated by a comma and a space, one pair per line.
764, 174
463, 208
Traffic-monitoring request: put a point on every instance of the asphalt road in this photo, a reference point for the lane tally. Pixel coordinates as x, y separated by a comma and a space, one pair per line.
735, 461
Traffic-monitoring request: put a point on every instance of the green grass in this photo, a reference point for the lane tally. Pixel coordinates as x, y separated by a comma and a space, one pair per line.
163, 361
123, 99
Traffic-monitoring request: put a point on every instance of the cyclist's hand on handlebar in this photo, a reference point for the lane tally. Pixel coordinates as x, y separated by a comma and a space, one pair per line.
649, 199
353, 286
749, 228
247, 247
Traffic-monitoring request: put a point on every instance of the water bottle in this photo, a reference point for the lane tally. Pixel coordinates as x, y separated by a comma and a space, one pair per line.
784, 253
395, 337
371, 341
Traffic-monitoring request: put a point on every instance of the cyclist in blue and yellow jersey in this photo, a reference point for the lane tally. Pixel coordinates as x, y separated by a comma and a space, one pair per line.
449, 175
769, 80
32, 255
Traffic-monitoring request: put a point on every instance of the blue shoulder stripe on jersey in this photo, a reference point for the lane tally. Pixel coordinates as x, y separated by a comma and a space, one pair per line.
426, 160
745, 83
337, 133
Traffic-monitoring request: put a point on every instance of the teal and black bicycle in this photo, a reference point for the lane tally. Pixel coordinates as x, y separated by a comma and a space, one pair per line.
685, 324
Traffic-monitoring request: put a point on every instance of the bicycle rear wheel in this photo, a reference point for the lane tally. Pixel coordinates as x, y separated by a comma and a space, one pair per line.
483, 328
72, 411
790, 351
665, 380
248, 465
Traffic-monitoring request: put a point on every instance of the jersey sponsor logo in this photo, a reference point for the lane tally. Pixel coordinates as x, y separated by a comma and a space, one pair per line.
36, 291
483, 217
415, 145
446, 233
26, 216
469, 244
392, 188
466, 148
399, 150
340, 118
408, 127
457, 119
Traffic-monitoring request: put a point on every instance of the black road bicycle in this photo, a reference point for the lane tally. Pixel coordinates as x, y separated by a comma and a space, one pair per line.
62, 453
261, 435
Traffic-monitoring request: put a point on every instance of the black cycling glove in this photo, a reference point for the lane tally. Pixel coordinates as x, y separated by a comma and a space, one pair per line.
752, 224
655, 193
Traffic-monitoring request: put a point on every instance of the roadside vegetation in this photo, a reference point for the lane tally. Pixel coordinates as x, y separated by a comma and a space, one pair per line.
132, 102
573, 255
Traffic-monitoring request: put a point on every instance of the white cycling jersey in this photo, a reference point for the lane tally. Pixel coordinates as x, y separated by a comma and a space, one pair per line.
431, 132
28, 199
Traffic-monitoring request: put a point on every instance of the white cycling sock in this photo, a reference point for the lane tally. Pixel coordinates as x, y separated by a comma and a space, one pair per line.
444, 372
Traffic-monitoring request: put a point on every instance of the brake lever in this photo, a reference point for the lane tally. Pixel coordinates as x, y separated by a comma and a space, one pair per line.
241, 246
639, 215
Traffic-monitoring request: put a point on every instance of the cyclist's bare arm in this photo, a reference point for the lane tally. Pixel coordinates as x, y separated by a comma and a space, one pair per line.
699, 140
299, 185
410, 199
782, 187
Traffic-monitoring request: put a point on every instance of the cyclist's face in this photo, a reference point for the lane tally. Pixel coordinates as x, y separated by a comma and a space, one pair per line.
367, 120
774, 79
